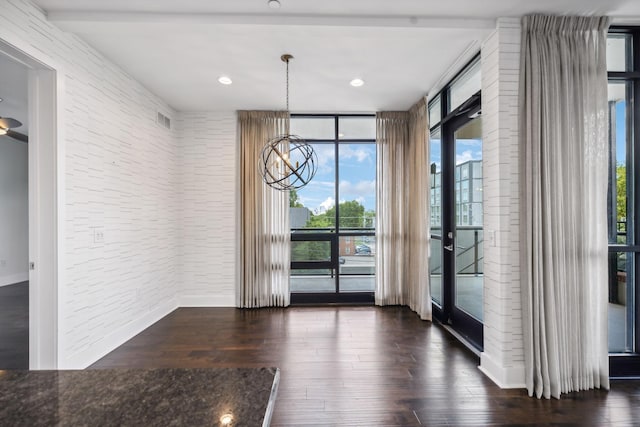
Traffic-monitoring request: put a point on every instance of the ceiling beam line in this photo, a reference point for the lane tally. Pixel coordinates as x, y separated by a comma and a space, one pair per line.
70, 19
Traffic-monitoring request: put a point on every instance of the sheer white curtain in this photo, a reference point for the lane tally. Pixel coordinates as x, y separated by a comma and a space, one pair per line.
564, 144
264, 217
402, 224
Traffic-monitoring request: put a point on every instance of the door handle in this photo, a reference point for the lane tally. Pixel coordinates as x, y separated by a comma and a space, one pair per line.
449, 247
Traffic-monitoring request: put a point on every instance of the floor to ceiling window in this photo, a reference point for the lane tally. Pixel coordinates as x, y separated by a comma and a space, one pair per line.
623, 64
456, 263
333, 217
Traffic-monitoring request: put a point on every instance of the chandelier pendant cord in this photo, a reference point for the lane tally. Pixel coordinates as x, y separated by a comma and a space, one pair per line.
287, 84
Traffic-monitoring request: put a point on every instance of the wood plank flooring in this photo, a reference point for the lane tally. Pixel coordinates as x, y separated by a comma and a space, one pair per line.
14, 326
361, 366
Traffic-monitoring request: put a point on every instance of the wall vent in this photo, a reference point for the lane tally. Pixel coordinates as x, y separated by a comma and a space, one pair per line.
164, 121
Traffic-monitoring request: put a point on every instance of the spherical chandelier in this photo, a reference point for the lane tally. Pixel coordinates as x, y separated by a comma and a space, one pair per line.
287, 162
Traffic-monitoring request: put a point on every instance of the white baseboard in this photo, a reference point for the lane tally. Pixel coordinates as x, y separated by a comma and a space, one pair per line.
207, 301
510, 377
13, 279
115, 339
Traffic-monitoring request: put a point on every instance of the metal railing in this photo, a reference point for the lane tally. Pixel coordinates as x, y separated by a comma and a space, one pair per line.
470, 255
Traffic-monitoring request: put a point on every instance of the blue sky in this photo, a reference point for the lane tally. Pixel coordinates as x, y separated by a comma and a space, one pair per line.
357, 168
466, 149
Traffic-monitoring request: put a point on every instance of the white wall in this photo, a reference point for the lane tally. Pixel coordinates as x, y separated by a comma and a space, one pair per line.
209, 165
14, 212
503, 356
121, 177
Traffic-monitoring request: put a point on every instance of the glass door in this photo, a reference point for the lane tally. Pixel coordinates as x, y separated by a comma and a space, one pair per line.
435, 258
465, 249
456, 222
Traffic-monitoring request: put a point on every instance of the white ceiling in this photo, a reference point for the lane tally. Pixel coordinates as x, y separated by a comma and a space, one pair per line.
401, 48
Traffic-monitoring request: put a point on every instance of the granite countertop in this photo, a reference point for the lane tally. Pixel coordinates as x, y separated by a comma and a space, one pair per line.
138, 397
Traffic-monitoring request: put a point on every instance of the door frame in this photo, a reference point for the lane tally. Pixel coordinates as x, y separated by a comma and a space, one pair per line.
470, 328
45, 158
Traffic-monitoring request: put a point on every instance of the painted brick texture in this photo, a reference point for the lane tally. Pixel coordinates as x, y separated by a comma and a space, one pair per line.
503, 357
208, 205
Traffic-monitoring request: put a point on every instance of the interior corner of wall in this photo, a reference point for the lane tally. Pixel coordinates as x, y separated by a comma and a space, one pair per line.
83, 358
502, 376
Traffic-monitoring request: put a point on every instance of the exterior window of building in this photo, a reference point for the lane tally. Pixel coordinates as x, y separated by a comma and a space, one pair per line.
468, 192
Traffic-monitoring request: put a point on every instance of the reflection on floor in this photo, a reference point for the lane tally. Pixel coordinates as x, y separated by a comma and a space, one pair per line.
14, 326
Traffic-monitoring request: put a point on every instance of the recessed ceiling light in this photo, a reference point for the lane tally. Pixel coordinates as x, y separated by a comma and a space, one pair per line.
274, 4
357, 82
225, 80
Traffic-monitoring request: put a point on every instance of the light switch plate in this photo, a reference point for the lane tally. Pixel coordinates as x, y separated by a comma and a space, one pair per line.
98, 235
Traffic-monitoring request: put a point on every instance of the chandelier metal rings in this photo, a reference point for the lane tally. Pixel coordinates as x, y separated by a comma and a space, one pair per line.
287, 162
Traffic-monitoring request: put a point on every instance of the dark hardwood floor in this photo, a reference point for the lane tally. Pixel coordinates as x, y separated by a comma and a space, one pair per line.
14, 326
361, 366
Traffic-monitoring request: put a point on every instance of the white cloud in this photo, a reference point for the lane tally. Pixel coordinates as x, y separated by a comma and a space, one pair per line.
317, 183
358, 189
326, 205
346, 152
467, 155
326, 157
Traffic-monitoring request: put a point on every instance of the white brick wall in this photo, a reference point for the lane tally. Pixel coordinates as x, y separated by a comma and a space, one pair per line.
208, 208
503, 356
120, 174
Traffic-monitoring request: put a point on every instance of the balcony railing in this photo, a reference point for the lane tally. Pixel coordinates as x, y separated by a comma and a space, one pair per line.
469, 250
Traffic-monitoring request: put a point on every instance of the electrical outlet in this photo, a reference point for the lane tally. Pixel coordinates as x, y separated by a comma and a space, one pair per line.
98, 235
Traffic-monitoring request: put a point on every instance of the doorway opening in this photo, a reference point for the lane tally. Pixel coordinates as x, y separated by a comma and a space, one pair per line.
14, 215
456, 200
36, 259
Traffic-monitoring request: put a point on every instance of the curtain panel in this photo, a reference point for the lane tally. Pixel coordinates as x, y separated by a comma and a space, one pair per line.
563, 119
402, 199
265, 256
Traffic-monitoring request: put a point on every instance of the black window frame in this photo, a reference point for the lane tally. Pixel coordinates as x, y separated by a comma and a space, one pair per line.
332, 234
628, 364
